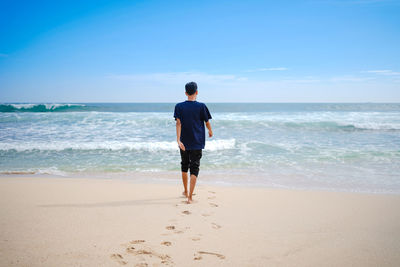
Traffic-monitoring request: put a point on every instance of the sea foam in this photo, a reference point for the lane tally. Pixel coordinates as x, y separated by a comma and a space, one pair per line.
301, 145
213, 145
39, 107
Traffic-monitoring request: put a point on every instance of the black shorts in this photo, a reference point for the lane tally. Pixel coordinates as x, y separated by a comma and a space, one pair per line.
191, 159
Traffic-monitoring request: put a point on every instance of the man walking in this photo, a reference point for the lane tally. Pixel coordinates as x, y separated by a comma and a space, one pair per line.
190, 117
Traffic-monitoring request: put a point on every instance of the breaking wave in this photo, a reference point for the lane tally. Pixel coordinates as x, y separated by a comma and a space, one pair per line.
213, 145
41, 107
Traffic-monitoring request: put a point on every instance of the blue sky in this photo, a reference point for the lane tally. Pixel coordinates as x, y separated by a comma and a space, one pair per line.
237, 51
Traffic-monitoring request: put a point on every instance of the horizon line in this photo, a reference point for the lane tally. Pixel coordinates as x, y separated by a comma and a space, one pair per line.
71, 102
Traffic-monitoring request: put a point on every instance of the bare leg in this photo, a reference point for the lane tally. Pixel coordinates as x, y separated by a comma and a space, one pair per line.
185, 182
193, 179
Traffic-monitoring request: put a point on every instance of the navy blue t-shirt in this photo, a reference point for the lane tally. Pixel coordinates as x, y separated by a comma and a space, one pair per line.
192, 115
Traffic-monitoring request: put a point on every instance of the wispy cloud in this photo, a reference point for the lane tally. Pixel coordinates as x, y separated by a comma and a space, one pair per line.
356, 2
350, 78
240, 86
368, 1
234, 87
267, 69
177, 77
301, 80
383, 72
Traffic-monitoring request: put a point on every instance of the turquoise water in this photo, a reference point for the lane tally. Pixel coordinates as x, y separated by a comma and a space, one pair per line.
350, 147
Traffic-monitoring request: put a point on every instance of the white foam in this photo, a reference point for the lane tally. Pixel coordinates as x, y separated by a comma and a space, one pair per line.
25, 106
359, 120
52, 171
221, 144
48, 106
47, 171
213, 145
377, 126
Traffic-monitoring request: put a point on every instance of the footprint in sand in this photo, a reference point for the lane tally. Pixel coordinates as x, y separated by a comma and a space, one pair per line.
186, 212
213, 197
144, 255
181, 231
205, 214
197, 258
172, 227
137, 241
165, 259
215, 226
213, 205
199, 254
196, 238
130, 249
212, 192
118, 258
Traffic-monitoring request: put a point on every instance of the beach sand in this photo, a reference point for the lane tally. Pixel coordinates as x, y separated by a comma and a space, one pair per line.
100, 222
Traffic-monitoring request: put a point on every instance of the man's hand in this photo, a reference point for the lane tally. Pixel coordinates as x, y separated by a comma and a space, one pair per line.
178, 134
208, 125
181, 145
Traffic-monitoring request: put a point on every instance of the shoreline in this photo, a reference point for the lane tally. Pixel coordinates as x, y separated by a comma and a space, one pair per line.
96, 222
173, 178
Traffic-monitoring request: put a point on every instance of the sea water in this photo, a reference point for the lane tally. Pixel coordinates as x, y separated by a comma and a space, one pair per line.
343, 147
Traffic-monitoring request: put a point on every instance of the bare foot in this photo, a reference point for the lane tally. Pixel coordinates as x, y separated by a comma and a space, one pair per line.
189, 200
185, 194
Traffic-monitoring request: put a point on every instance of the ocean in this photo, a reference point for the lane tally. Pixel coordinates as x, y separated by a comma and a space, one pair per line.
335, 146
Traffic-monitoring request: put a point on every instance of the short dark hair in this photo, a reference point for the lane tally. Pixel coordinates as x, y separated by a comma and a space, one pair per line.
191, 88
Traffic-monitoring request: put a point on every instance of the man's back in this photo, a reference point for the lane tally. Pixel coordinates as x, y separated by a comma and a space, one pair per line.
192, 115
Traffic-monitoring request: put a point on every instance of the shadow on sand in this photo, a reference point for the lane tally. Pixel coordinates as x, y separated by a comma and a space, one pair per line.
155, 201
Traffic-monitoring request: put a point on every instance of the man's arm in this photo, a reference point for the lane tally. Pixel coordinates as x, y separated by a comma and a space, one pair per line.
210, 132
178, 134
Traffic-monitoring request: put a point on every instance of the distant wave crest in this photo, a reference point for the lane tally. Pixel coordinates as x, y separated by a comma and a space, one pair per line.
313, 125
347, 126
40, 107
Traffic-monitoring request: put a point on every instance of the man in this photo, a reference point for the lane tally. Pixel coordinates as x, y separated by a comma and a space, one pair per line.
190, 117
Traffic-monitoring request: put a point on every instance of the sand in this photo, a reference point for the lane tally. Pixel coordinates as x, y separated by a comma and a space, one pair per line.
96, 222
